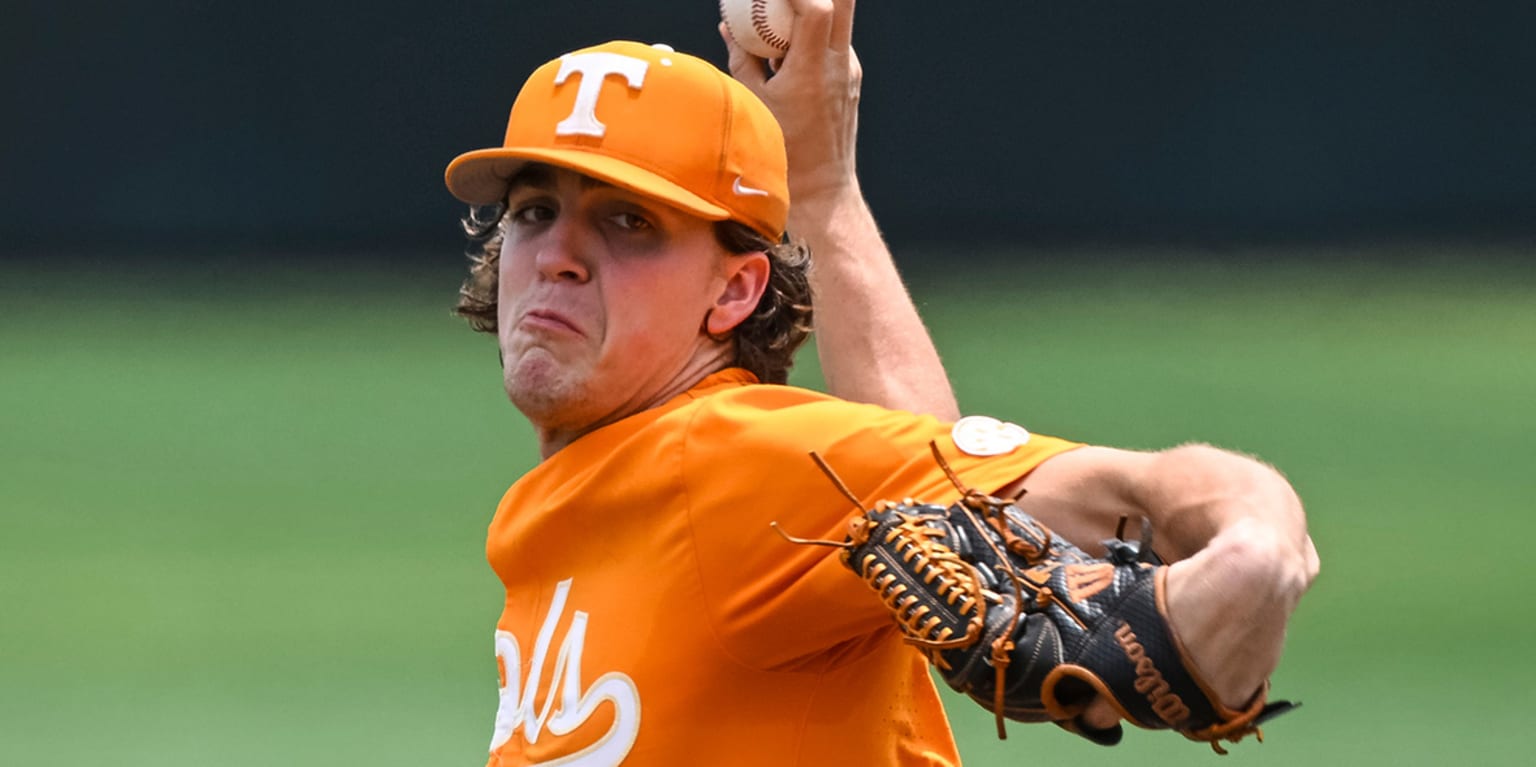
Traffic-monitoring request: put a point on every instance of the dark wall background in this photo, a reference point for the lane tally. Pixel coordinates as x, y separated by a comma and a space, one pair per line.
289, 125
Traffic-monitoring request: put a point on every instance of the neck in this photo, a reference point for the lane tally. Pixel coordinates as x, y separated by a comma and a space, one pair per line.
555, 436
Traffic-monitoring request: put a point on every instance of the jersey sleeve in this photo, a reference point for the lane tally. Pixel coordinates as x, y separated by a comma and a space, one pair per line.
747, 467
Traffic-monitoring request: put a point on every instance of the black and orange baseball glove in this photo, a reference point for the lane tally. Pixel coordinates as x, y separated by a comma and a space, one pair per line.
1029, 625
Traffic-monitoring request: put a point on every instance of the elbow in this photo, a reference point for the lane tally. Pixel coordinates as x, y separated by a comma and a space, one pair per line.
1256, 516
1264, 564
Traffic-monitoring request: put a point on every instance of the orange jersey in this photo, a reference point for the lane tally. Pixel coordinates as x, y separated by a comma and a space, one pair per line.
653, 617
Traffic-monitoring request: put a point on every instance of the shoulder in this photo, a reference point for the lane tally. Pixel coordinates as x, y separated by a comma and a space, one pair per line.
767, 433
774, 417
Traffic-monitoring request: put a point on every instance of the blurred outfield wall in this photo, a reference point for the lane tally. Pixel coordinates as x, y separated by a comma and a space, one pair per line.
242, 520
325, 125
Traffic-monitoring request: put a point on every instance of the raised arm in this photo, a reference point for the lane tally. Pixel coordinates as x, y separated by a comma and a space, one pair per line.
872, 344
1233, 527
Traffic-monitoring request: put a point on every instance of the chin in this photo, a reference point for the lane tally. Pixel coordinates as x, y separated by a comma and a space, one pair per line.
541, 389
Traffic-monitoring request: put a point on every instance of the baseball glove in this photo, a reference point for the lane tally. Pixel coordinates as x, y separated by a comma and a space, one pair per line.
1032, 627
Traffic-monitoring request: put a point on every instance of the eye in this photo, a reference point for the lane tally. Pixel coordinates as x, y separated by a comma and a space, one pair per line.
532, 212
632, 222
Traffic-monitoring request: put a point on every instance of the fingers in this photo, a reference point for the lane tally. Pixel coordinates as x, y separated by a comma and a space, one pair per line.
1100, 714
813, 25
842, 25
819, 26
746, 68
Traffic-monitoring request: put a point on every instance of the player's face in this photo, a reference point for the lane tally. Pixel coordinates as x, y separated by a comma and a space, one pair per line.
601, 301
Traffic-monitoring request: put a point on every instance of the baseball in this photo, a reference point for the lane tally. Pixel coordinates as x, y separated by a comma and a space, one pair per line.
761, 27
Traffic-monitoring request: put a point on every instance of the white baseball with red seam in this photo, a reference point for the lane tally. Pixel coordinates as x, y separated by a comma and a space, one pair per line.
761, 27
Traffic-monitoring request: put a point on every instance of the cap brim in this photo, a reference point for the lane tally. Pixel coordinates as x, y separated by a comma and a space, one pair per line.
480, 177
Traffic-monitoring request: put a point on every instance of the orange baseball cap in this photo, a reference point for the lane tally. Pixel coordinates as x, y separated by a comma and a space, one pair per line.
663, 124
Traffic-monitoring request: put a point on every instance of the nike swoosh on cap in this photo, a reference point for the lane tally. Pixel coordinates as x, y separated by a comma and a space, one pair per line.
743, 189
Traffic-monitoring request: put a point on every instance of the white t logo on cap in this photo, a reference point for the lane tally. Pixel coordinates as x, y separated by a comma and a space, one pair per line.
594, 68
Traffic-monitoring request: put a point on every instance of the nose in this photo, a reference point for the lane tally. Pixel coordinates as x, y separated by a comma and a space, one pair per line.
562, 254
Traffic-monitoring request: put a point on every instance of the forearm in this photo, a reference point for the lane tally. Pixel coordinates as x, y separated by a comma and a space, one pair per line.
873, 346
1239, 534
1230, 602
872, 343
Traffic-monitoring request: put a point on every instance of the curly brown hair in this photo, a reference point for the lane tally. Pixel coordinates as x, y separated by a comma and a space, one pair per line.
765, 342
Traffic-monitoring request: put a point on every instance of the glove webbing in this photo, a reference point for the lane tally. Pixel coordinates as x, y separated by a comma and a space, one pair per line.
923, 557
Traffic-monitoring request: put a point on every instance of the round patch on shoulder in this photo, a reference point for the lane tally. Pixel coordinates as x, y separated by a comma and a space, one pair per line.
985, 435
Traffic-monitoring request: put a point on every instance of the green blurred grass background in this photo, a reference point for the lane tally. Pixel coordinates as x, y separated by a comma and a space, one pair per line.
242, 507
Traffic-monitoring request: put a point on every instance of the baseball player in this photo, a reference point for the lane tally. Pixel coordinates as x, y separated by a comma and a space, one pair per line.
647, 305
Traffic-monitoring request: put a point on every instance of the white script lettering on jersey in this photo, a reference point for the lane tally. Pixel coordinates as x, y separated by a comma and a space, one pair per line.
593, 69
517, 707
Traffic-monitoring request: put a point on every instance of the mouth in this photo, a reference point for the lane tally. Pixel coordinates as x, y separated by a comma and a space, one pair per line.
549, 321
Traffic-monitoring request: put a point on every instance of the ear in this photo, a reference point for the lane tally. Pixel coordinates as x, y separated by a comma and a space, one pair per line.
746, 277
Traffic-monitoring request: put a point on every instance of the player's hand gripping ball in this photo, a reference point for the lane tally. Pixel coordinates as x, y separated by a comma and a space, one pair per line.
761, 27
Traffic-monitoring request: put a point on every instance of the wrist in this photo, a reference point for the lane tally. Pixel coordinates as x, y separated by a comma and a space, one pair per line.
828, 213
833, 192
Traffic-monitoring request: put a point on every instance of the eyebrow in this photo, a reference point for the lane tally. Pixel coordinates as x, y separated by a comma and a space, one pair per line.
542, 176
